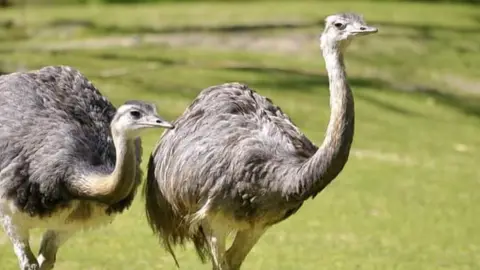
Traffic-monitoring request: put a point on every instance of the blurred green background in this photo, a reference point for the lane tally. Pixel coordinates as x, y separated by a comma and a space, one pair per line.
408, 198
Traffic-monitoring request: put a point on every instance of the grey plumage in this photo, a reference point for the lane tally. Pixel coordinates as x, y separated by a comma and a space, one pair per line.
69, 159
49, 120
236, 163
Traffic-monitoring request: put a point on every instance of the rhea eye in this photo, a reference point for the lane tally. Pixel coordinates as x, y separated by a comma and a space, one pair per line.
135, 114
338, 25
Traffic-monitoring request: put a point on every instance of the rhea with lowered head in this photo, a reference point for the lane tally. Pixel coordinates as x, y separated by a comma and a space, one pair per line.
237, 164
69, 160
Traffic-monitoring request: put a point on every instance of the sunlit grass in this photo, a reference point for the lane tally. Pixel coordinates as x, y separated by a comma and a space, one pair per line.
407, 198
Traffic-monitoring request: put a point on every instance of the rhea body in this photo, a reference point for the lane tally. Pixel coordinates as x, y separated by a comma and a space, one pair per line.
69, 160
238, 165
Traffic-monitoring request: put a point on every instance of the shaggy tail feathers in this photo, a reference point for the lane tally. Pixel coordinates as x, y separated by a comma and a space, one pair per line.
166, 222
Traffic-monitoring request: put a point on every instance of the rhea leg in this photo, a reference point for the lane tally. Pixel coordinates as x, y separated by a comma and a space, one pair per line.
243, 243
51, 241
19, 237
216, 235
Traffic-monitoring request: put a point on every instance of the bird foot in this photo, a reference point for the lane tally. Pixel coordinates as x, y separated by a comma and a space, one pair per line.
31, 267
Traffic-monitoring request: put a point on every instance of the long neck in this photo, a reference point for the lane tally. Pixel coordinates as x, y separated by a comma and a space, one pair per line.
116, 186
124, 174
318, 171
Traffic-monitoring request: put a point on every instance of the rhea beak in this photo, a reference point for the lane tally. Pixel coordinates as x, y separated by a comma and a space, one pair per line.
365, 30
157, 121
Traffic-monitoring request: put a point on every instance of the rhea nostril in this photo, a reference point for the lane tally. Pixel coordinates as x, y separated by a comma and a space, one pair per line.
159, 121
363, 28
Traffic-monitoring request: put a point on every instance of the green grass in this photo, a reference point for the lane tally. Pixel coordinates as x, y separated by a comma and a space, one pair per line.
406, 200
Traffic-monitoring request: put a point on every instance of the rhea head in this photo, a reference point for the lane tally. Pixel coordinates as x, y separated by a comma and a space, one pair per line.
135, 116
341, 28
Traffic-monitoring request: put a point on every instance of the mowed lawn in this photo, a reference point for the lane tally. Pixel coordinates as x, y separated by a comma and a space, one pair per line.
408, 198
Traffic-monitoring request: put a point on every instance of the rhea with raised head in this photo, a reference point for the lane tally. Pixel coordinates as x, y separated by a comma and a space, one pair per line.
237, 164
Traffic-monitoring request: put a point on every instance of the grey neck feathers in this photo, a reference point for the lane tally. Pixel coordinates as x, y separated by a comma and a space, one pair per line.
318, 171
116, 186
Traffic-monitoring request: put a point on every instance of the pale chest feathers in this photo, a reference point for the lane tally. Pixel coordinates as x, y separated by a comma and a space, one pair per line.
79, 215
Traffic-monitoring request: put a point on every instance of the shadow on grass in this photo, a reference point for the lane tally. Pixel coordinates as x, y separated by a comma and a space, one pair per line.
281, 79
295, 80
424, 30
178, 29
472, 2
157, 59
290, 80
414, 31
286, 80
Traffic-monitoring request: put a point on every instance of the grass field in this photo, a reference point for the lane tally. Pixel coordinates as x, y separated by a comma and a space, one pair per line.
407, 199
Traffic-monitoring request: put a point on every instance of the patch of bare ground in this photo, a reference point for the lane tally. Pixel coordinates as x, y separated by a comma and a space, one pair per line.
393, 158
279, 43
4, 240
464, 84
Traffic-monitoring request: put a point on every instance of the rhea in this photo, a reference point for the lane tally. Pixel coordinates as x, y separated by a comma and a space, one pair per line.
237, 164
68, 159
